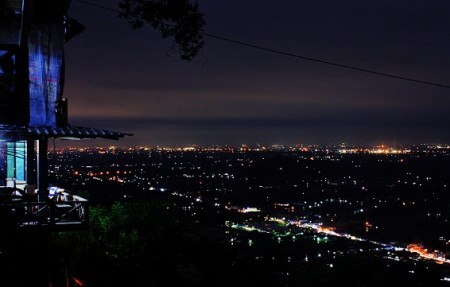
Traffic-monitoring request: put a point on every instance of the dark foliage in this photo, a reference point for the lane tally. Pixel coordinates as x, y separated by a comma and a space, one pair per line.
179, 19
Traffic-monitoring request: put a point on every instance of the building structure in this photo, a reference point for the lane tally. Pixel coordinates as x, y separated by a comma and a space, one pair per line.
32, 111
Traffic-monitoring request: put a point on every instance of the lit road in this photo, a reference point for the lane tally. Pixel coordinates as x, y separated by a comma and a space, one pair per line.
329, 231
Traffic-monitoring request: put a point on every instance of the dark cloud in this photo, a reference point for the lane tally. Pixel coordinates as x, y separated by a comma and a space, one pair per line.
122, 79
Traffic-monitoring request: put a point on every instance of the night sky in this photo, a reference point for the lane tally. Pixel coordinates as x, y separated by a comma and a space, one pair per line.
126, 80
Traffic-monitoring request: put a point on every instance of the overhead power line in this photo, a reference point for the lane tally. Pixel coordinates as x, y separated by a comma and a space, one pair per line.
279, 52
325, 62
98, 6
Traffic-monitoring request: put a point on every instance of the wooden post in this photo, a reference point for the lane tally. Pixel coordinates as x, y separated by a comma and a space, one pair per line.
31, 163
42, 170
22, 65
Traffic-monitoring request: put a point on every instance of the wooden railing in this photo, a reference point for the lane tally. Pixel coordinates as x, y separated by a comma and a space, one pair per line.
59, 213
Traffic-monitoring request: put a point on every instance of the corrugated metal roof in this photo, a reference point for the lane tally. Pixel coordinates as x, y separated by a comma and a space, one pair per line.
67, 132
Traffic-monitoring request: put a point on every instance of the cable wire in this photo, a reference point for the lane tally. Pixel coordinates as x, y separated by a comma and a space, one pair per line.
274, 51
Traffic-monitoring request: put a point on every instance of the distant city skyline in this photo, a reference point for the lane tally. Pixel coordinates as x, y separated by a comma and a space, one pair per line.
123, 80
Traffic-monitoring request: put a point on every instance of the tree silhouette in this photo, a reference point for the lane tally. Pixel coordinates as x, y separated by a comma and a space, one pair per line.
179, 19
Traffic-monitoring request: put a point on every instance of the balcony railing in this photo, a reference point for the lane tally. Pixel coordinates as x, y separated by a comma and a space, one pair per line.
62, 212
